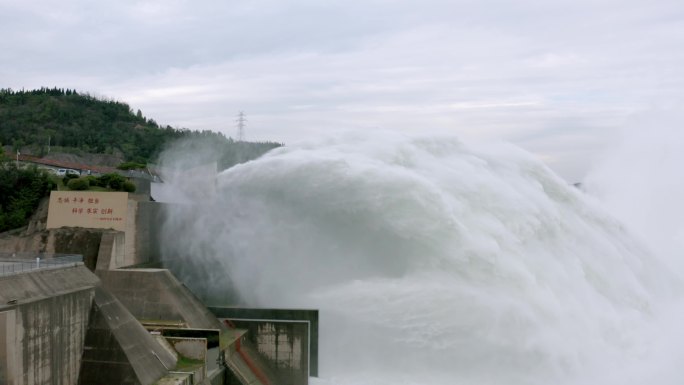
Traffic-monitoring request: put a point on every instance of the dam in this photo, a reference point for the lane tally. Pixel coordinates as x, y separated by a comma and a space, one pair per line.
85, 298
418, 260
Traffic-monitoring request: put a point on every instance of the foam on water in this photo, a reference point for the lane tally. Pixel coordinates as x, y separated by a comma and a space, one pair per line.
432, 262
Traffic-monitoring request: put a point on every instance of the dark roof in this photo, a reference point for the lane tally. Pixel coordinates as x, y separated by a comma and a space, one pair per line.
63, 164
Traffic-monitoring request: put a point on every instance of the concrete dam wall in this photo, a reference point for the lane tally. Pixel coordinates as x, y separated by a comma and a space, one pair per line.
34, 307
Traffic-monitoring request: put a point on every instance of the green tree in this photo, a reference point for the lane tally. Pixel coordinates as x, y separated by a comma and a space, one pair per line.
20, 193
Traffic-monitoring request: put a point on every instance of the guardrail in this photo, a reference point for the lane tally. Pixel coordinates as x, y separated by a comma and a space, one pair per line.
33, 255
15, 264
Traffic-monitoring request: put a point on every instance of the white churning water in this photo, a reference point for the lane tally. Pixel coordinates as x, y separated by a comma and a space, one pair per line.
435, 262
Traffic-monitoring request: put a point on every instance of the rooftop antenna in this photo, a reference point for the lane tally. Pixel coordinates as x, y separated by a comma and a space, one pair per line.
241, 126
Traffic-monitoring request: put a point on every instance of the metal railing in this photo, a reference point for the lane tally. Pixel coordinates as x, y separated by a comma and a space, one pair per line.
12, 263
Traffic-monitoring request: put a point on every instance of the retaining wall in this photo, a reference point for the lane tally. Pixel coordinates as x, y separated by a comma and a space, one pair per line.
43, 321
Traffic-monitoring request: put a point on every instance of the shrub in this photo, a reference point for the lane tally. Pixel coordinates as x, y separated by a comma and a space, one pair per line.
112, 180
103, 180
116, 182
129, 186
78, 184
67, 177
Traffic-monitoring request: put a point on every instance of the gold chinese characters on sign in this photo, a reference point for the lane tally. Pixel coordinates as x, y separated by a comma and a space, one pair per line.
89, 209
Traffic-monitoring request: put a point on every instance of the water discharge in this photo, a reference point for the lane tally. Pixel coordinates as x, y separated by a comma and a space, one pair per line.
434, 262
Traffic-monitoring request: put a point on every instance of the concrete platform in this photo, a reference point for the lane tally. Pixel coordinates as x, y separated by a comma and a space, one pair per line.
118, 349
156, 295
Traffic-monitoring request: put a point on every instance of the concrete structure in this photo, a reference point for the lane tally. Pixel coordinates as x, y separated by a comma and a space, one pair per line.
137, 245
85, 242
188, 345
245, 368
73, 328
165, 305
59, 326
142, 181
43, 320
118, 350
88, 209
287, 339
112, 251
146, 236
192, 353
106, 343
193, 348
155, 294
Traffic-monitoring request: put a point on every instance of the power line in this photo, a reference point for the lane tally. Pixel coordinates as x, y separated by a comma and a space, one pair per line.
241, 120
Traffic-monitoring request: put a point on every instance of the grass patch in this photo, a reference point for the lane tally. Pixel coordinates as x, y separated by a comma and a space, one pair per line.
186, 363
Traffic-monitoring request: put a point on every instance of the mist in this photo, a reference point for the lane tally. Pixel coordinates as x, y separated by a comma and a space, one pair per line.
640, 182
433, 261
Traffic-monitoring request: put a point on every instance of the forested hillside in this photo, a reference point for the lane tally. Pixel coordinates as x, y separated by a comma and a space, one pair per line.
66, 119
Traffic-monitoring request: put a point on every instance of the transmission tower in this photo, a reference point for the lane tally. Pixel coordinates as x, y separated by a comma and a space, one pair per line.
241, 126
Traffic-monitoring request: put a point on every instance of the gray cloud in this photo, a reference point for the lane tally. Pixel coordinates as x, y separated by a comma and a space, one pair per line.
556, 78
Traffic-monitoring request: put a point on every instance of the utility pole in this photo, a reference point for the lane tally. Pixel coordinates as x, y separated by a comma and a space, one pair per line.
241, 126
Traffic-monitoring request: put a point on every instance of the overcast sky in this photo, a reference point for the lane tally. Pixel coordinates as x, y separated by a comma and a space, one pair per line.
557, 77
